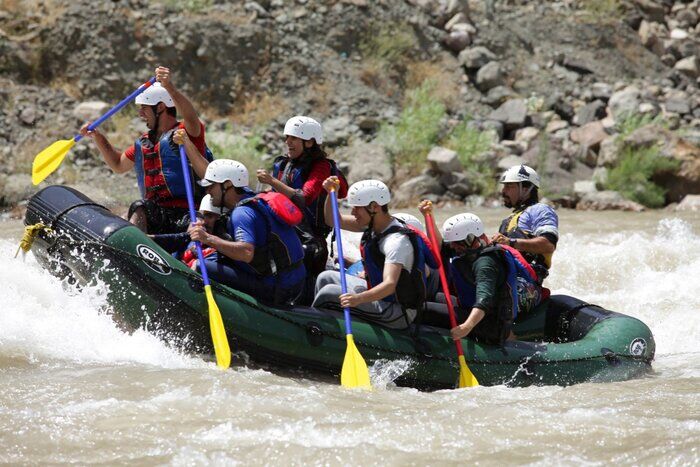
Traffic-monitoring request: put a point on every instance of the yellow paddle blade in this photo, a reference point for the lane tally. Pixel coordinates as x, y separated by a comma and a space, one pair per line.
354, 373
218, 333
49, 159
466, 377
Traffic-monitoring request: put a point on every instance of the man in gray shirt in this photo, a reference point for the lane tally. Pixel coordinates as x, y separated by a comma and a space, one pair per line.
390, 296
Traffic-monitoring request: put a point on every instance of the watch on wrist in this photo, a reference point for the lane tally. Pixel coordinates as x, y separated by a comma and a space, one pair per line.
511, 242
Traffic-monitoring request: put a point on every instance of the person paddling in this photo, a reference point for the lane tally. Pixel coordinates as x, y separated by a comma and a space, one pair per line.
493, 283
299, 175
393, 256
155, 157
263, 256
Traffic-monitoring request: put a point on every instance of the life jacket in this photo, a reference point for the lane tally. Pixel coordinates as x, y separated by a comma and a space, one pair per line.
283, 251
521, 291
411, 288
159, 173
509, 228
190, 255
294, 173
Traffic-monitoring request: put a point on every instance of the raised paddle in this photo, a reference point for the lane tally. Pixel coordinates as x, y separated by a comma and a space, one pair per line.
50, 158
354, 373
216, 324
466, 377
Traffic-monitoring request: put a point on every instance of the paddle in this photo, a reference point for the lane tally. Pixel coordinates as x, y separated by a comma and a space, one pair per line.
354, 373
50, 158
466, 377
216, 324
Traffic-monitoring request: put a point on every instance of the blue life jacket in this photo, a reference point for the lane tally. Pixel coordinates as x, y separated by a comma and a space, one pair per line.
294, 173
521, 291
159, 174
411, 288
282, 251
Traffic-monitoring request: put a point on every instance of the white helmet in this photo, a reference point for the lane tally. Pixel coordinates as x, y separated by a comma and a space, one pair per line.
220, 170
410, 220
154, 94
304, 128
521, 173
459, 227
362, 193
207, 205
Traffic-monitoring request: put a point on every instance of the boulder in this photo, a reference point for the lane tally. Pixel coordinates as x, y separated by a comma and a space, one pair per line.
607, 200
456, 41
489, 76
443, 160
590, 112
410, 191
512, 113
589, 135
624, 102
476, 57
90, 111
584, 187
365, 160
689, 203
688, 66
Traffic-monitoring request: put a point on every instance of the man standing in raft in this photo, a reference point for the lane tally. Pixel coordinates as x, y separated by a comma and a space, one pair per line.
533, 228
155, 156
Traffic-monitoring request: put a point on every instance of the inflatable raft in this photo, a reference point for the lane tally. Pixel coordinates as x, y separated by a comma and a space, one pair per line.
565, 341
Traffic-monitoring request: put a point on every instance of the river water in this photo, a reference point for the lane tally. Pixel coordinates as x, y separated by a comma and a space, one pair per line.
76, 389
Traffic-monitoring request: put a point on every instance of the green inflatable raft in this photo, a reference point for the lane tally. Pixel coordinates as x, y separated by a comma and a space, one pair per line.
565, 341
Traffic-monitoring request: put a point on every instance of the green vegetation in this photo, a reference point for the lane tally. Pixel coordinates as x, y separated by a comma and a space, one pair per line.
244, 149
632, 176
603, 10
629, 123
389, 44
420, 127
417, 130
194, 6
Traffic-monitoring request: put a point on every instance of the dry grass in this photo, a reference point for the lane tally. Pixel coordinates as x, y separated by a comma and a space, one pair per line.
444, 87
258, 110
321, 95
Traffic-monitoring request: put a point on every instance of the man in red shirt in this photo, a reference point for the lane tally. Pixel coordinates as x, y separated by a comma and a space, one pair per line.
155, 156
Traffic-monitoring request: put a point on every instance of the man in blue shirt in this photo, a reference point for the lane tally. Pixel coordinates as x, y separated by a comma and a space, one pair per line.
265, 256
533, 228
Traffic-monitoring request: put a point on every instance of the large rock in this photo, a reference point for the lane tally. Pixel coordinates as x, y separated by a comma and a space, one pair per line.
607, 200
625, 102
489, 76
410, 191
476, 57
365, 160
457, 40
685, 180
688, 66
444, 160
512, 113
90, 111
589, 135
590, 112
689, 203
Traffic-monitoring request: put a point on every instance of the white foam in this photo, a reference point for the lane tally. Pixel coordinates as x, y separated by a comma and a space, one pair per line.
42, 320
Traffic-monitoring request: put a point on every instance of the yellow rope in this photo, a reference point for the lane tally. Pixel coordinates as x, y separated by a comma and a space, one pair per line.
30, 233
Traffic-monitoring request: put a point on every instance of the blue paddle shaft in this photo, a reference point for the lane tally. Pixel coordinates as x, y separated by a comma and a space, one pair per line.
193, 214
116, 108
341, 259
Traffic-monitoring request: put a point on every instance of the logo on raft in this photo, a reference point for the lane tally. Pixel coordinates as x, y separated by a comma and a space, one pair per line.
153, 259
638, 346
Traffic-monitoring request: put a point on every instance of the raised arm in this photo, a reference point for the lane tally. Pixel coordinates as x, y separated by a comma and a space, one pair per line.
182, 103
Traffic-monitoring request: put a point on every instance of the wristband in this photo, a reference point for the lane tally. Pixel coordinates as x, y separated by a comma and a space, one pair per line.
511, 242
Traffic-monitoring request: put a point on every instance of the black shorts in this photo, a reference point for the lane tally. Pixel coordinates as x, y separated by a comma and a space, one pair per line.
161, 220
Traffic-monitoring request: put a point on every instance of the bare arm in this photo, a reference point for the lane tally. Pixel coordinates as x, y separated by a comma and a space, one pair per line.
198, 161
390, 278
280, 187
182, 103
346, 222
537, 245
476, 315
117, 161
239, 251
